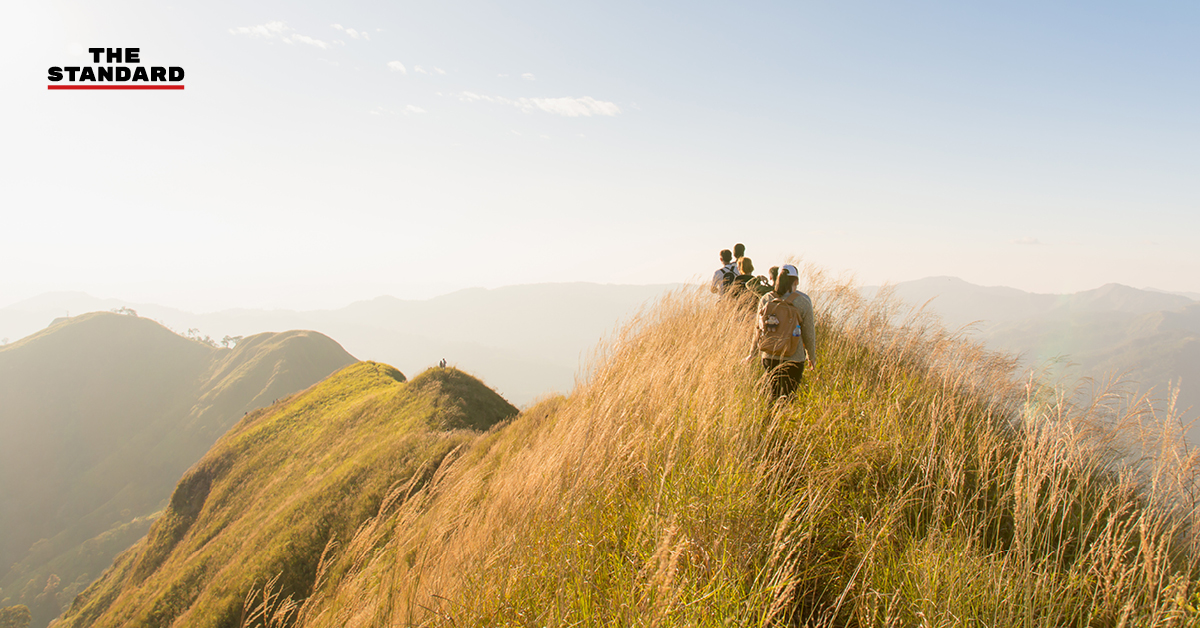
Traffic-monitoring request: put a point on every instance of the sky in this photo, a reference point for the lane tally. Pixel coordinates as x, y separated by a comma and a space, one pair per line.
323, 153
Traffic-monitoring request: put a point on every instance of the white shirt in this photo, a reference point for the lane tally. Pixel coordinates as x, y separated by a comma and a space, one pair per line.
718, 281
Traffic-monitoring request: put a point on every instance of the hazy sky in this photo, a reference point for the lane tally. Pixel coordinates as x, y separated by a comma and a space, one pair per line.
327, 152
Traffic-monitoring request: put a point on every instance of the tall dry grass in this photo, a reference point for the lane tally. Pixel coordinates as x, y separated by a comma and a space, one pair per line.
913, 481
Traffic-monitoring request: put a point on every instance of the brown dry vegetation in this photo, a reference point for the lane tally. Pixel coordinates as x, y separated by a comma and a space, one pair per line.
913, 481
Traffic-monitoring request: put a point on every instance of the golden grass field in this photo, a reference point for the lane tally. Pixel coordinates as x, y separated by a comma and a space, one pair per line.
915, 480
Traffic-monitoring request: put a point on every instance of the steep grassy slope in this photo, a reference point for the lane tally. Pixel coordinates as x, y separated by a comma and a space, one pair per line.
99, 417
911, 482
281, 484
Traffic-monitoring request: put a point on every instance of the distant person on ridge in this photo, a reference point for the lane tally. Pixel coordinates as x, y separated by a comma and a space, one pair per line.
786, 334
725, 274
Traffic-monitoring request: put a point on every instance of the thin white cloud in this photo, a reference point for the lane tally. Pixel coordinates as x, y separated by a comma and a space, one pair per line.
502, 75
396, 66
439, 70
273, 30
356, 34
419, 70
528, 77
574, 107
305, 39
408, 110
270, 29
568, 107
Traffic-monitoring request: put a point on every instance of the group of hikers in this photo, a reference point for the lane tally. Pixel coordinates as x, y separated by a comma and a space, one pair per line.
785, 334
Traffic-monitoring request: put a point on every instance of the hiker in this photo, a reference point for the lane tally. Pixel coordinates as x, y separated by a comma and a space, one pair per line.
774, 273
725, 274
442, 364
786, 334
739, 251
747, 282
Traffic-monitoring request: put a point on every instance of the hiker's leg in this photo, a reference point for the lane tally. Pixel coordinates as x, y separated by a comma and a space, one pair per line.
775, 376
794, 374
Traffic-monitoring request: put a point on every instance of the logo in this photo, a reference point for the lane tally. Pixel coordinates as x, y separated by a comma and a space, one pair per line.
111, 76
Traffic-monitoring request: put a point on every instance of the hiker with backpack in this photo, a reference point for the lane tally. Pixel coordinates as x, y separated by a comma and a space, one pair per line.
725, 274
785, 335
747, 282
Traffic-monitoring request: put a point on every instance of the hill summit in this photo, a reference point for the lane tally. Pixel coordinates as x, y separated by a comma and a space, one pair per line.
100, 415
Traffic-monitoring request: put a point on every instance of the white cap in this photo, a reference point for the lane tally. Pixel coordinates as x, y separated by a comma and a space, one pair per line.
789, 269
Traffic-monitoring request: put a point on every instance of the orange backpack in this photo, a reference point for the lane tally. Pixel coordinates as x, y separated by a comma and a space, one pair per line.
779, 325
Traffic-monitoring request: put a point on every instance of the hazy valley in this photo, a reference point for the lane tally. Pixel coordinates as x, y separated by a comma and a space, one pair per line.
1149, 340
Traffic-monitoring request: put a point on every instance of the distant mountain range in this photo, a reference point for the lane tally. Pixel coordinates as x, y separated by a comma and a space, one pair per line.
100, 415
530, 340
1149, 337
525, 341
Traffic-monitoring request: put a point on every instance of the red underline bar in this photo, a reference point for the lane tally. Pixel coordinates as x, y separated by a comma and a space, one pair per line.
114, 87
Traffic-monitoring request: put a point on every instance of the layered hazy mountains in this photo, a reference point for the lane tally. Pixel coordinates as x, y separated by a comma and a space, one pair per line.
524, 341
100, 415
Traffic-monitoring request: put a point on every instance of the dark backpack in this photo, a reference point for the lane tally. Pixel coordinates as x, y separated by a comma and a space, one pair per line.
739, 285
728, 275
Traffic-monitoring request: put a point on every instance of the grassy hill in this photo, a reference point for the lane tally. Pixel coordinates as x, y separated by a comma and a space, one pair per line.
912, 482
100, 415
280, 485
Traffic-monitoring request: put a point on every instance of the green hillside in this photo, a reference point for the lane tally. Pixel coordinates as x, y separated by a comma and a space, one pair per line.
913, 481
100, 415
283, 482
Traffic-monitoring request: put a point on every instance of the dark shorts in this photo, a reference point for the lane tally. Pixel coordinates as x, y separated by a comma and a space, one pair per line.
784, 375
